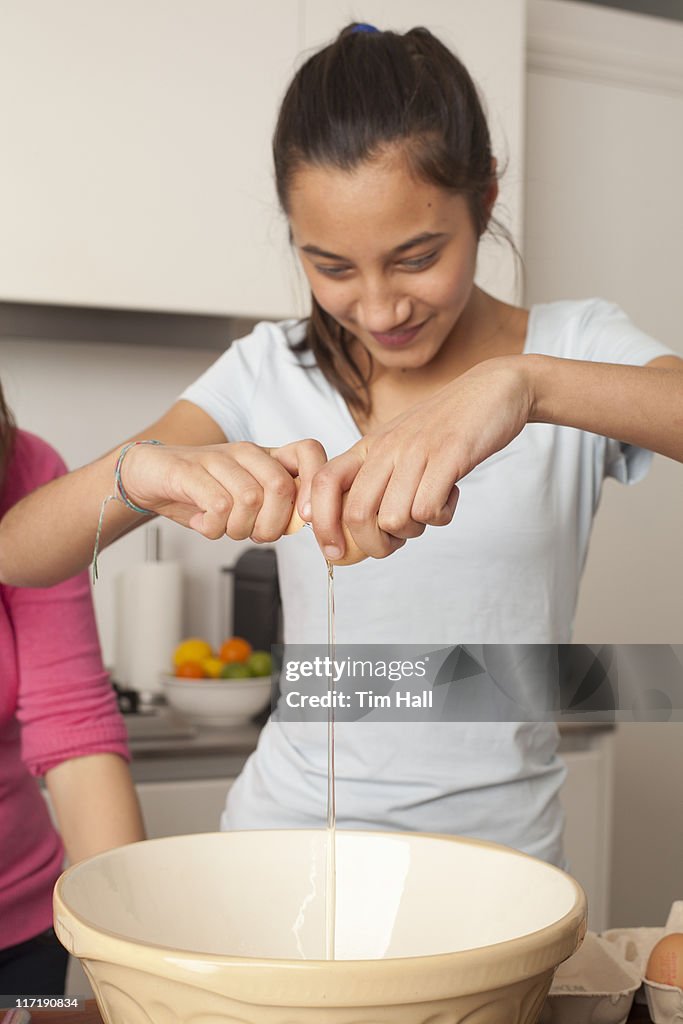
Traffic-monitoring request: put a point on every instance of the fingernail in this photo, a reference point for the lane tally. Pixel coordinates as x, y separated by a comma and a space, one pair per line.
306, 511
332, 552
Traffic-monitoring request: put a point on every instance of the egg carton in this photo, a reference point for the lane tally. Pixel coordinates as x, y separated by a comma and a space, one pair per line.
599, 983
665, 1002
594, 986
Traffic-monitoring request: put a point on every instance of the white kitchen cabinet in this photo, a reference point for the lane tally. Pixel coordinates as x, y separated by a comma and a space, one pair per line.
136, 168
174, 808
588, 798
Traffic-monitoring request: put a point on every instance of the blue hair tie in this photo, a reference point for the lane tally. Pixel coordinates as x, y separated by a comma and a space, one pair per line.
364, 27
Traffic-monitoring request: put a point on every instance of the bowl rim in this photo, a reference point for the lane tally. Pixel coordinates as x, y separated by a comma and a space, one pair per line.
278, 981
180, 682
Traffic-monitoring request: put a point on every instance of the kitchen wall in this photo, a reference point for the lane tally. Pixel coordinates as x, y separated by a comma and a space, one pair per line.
604, 216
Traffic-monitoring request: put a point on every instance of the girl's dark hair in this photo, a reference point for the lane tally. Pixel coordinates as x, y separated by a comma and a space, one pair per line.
365, 92
7, 430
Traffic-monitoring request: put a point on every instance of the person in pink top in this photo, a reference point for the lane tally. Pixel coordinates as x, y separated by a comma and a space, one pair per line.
58, 720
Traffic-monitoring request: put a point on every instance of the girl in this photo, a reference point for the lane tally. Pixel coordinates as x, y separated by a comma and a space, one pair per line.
58, 719
410, 380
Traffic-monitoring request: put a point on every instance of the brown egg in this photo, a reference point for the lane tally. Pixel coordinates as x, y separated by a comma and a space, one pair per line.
666, 961
352, 554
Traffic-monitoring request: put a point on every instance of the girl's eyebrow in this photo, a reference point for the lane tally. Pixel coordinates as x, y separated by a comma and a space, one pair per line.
426, 236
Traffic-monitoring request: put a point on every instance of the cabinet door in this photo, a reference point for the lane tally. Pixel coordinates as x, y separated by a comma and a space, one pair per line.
136, 168
489, 36
179, 808
587, 799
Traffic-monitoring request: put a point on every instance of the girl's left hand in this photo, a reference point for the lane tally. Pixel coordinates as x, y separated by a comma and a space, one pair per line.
403, 476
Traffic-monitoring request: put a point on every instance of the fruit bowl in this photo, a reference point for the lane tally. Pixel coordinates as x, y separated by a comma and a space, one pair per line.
217, 703
231, 927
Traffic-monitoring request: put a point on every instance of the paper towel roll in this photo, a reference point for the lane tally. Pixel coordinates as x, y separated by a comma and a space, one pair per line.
149, 609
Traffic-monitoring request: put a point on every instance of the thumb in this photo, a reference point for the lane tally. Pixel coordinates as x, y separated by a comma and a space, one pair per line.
302, 459
328, 487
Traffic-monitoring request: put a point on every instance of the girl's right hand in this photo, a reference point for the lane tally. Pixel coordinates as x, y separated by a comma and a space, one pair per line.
238, 489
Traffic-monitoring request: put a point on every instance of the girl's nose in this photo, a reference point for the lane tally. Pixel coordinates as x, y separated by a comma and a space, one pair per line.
380, 310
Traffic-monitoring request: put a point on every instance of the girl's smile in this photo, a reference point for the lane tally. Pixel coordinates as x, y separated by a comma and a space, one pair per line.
398, 338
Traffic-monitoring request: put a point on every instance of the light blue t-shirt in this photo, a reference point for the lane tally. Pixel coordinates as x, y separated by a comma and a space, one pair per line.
505, 570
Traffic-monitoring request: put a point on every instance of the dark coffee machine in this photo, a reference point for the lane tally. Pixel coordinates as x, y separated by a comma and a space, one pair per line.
257, 614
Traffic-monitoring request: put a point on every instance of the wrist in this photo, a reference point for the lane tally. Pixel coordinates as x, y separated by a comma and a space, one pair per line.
119, 494
522, 374
533, 369
120, 491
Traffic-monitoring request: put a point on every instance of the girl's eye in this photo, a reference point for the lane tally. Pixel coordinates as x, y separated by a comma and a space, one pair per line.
332, 271
415, 263
419, 262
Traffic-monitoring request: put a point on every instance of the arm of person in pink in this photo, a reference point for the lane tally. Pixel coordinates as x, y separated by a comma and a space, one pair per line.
71, 729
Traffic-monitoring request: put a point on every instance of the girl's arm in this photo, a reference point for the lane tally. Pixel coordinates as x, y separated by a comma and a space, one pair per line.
404, 476
95, 804
49, 535
640, 405
216, 489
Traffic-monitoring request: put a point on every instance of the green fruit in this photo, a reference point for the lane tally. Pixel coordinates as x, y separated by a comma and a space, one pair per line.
235, 670
260, 663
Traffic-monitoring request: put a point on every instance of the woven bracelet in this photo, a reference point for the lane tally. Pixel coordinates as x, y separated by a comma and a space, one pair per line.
118, 495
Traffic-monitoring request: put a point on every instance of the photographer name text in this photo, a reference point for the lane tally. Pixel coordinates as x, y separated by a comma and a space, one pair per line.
360, 699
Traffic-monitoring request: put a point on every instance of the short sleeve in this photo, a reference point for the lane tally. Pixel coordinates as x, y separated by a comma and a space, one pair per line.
605, 334
226, 390
65, 703
625, 463
609, 336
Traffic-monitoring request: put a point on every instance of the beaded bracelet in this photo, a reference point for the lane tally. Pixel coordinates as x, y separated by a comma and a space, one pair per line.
119, 494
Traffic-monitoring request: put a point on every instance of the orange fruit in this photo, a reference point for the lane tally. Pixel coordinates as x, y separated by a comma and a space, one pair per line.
236, 648
190, 670
192, 649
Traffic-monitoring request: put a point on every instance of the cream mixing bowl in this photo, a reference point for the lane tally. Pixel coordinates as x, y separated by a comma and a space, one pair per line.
230, 928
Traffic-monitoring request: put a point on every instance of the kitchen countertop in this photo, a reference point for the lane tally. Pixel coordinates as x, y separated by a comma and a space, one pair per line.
165, 747
161, 730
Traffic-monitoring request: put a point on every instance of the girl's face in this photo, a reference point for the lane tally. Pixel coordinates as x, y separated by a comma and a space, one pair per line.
390, 257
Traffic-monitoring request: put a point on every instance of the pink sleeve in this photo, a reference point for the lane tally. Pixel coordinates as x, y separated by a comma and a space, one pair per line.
65, 703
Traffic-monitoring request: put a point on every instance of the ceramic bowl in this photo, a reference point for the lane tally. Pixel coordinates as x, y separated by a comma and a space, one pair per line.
217, 703
230, 928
